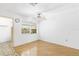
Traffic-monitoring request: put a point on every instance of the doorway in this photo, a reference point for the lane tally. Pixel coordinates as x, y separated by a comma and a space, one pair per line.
5, 29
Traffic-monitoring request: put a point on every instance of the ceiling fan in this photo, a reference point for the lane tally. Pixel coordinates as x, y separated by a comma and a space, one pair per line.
39, 15
33, 4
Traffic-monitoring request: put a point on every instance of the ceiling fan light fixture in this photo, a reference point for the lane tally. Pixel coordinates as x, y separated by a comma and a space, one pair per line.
40, 17
33, 4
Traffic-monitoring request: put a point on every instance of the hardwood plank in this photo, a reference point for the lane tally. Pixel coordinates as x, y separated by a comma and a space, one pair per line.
48, 49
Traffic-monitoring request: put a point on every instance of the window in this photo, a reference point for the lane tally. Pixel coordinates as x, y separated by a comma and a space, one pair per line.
28, 29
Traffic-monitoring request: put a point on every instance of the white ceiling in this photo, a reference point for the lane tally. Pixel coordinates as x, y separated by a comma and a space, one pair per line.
24, 8
27, 9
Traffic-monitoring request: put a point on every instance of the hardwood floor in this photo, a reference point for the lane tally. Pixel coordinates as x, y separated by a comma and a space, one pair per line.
47, 49
25, 47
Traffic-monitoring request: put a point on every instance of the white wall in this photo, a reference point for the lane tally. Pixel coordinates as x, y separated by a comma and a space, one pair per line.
5, 29
62, 28
20, 38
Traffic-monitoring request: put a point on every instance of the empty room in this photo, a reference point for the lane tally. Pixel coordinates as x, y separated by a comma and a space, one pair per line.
39, 29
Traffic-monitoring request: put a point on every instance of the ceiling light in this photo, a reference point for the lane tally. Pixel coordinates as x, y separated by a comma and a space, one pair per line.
33, 4
40, 17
